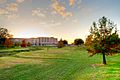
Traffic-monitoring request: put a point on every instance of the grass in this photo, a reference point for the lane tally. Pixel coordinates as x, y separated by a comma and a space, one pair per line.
13, 51
68, 63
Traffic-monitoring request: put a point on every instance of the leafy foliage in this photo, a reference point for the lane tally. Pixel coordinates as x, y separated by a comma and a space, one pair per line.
4, 33
65, 42
103, 38
24, 44
60, 44
78, 41
29, 44
17, 44
8, 43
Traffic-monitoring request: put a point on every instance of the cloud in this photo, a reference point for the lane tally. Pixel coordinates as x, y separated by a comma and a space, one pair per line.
75, 21
38, 12
79, 3
60, 9
3, 11
2, 1
12, 7
71, 2
53, 12
9, 11
20, 1
12, 16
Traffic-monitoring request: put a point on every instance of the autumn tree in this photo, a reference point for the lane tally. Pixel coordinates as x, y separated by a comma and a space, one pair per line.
60, 44
8, 43
4, 33
78, 42
103, 38
23, 44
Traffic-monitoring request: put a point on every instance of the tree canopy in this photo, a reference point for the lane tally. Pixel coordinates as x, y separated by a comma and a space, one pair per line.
103, 38
4, 33
78, 41
60, 44
23, 44
65, 42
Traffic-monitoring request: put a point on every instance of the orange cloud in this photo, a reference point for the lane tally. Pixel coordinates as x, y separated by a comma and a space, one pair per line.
9, 11
71, 2
3, 11
21, 1
61, 9
12, 7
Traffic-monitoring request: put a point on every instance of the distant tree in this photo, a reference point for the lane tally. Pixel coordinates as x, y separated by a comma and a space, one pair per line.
65, 42
24, 44
29, 44
60, 43
103, 38
8, 43
17, 44
78, 42
4, 33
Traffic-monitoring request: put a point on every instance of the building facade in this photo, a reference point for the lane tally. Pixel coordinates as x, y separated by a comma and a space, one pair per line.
39, 41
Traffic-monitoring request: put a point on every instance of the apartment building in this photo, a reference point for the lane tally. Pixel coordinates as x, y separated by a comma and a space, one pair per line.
39, 41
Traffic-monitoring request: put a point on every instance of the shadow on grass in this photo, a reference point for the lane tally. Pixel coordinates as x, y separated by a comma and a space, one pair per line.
47, 58
11, 53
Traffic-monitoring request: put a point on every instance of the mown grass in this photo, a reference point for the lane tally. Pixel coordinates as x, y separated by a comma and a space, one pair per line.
13, 51
50, 63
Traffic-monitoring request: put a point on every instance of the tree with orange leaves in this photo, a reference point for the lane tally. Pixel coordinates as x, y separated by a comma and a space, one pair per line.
8, 43
103, 38
24, 44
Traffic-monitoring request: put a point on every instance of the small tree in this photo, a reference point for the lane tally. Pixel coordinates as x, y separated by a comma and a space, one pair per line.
8, 43
60, 44
24, 44
17, 44
28, 44
65, 42
78, 42
103, 38
4, 33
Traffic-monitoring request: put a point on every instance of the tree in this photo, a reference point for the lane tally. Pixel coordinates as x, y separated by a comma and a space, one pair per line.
29, 44
78, 41
4, 33
103, 38
8, 43
60, 43
24, 44
65, 42
17, 44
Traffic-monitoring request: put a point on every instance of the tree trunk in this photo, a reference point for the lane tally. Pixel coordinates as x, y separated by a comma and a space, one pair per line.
104, 59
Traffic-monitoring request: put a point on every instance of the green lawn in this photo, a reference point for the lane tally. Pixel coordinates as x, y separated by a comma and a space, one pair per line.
68, 63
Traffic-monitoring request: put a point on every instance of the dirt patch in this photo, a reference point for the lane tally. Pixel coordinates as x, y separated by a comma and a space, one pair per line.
14, 61
97, 65
7, 64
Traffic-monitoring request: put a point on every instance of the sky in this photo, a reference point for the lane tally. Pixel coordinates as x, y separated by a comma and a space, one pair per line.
66, 19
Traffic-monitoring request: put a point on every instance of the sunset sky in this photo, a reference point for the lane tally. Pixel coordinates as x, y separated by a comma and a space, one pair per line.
66, 19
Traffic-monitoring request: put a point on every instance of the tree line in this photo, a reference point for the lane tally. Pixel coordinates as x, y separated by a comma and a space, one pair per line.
76, 42
6, 42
